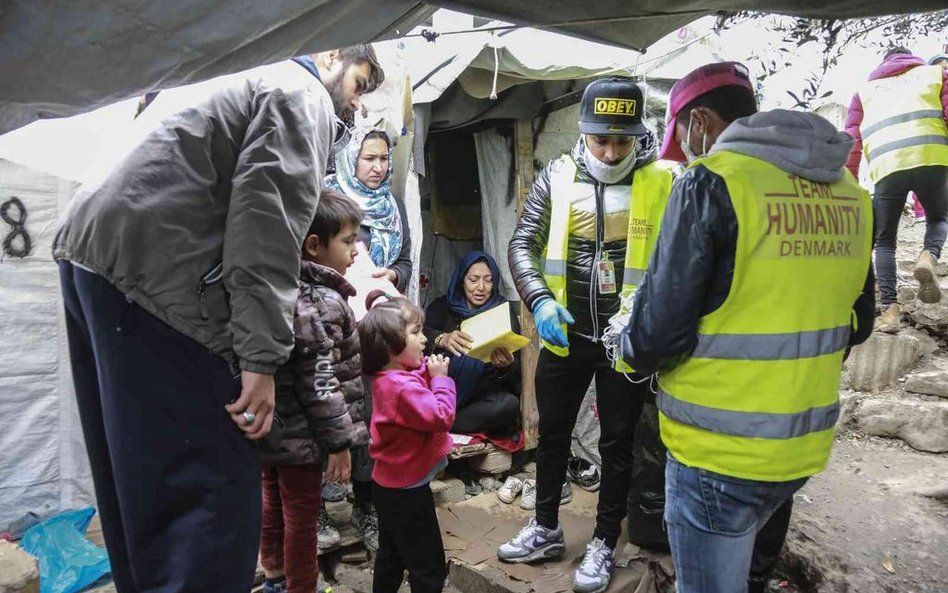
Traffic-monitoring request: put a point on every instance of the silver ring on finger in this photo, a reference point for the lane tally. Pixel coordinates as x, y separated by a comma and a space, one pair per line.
249, 417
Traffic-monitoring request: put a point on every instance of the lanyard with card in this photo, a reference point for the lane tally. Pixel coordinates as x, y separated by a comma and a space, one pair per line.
606, 276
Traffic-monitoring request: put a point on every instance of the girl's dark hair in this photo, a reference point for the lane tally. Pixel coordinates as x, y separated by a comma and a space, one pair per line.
333, 212
384, 329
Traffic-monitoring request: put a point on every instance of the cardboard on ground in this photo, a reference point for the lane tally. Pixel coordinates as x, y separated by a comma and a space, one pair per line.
491, 330
360, 277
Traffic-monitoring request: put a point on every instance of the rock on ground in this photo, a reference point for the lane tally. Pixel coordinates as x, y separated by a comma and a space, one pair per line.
19, 571
884, 358
923, 425
929, 383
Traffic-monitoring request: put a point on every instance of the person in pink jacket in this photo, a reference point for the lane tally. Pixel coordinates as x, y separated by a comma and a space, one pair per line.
413, 406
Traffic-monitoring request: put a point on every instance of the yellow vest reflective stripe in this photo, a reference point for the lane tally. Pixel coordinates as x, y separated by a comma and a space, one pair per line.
757, 398
649, 194
903, 124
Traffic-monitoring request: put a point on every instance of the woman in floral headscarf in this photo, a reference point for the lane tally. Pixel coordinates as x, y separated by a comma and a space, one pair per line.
363, 172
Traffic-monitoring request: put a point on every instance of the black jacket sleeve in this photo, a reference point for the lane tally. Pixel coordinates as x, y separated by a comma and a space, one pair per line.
689, 274
402, 265
529, 240
438, 320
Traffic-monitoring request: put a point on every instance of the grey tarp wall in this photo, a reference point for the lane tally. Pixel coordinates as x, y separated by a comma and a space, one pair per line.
60, 58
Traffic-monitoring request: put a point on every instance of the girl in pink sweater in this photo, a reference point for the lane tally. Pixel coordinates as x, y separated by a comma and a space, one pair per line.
413, 405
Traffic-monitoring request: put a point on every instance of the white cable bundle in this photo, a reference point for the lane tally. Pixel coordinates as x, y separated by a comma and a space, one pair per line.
618, 322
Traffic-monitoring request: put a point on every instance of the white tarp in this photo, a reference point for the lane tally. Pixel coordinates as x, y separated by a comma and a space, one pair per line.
42, 455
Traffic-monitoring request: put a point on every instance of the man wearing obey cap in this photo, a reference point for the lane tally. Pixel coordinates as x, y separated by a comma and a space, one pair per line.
758, 285
580, 247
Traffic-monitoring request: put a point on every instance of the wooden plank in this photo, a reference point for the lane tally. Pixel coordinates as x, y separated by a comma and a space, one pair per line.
523, 166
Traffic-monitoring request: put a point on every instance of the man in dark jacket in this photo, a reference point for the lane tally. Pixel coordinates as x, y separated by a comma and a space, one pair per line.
746, 309
898, 119
579, 249
179, 272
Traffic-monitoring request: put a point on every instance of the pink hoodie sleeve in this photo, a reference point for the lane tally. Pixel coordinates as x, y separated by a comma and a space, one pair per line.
851, 127
944, 92
427, 410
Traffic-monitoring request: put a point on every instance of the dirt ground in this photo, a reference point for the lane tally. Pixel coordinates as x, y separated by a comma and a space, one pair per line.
862, 526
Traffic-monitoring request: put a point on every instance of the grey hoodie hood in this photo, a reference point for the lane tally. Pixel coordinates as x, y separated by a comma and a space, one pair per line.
803, 144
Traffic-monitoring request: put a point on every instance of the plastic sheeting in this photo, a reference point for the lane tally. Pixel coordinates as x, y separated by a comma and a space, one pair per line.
43, 465
63, 58
498, 205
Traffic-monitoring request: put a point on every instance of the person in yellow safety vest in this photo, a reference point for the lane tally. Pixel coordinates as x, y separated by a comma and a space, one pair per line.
897, 119
759, 284
583, 238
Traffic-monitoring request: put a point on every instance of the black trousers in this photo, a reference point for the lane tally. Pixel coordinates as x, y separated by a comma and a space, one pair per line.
176, 483
494, 413
767, 547
409, 539
561, 384
930, 184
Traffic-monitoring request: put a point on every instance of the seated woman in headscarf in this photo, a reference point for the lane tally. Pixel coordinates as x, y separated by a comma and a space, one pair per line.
364, 173
487, 393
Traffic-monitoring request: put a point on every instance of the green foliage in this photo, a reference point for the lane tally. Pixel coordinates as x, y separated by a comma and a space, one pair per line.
832, 37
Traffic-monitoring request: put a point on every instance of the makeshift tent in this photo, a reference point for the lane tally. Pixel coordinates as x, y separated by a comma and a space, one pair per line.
467, 135
42, 456
62, 58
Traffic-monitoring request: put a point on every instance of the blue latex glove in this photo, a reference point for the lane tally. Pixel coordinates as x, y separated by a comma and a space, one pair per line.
549, 318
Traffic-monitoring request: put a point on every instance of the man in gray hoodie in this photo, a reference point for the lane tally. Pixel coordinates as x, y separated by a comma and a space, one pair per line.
759, 284
179, 271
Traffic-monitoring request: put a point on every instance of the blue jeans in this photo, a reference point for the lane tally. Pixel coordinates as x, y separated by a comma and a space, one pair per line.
713, 521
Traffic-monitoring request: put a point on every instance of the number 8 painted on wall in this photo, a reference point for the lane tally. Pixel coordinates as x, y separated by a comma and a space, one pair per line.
19, 229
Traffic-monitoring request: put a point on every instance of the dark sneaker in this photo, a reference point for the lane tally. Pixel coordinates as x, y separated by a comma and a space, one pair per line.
533, 543
269, 587
583, 473
368, 525
327, 534
595, 571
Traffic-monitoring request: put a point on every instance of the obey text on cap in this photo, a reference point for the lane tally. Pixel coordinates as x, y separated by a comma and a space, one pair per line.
611, 106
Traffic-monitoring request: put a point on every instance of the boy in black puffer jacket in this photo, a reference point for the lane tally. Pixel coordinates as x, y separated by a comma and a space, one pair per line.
319, 397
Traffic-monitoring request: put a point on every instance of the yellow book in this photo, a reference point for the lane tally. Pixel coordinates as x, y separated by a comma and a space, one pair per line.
491, 330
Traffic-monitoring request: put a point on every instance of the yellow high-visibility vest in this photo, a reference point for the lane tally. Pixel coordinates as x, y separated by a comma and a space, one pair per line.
648, 193
903, 125
757, 398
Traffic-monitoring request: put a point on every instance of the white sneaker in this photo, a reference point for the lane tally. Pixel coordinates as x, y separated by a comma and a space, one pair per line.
509, 491
528, 500
595, 571
566, 492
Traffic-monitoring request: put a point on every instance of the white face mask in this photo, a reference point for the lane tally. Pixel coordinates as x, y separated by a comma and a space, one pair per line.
608, 174
685, 145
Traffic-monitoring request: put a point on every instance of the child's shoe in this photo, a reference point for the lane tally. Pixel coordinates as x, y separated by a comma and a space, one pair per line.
274, 586
528, 500
327, 534
368, 525
509, 491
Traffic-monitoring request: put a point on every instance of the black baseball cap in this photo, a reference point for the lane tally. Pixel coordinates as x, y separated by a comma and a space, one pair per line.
612, 107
